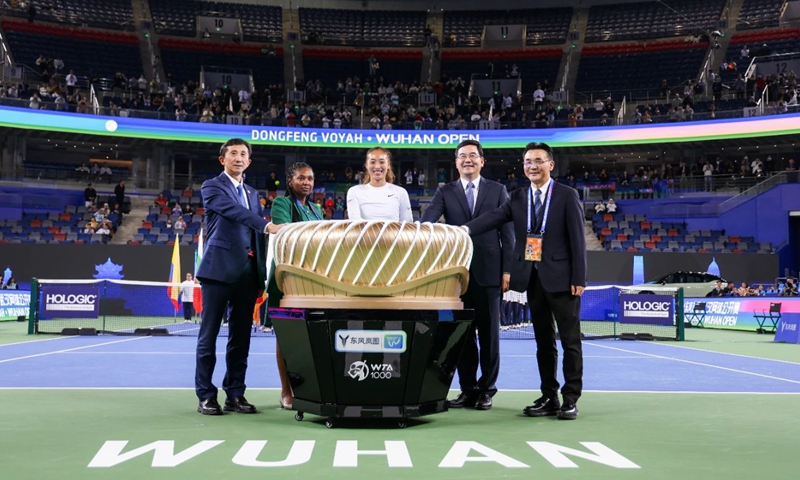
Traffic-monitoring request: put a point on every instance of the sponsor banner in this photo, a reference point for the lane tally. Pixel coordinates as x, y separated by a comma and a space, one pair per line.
788, 329
647, 309
738, 313
70, 301
14, 304
370, 341
772, 125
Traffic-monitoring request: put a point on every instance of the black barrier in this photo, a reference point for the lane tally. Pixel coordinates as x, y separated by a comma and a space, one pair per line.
391, 364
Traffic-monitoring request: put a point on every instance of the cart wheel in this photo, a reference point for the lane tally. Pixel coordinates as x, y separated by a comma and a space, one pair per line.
298, 416
401, 424
329, 423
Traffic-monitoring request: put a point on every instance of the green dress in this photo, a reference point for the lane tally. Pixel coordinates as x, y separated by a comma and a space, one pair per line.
281, 212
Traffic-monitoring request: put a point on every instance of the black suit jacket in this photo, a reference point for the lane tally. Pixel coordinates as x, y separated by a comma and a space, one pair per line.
564, 244
231, 229
493, 250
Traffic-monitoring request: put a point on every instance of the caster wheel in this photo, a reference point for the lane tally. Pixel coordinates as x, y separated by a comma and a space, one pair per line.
329, 423
298, 416
401, 424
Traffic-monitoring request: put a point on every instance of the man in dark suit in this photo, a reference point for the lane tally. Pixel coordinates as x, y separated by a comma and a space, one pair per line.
550, 262
469, 197
232, 272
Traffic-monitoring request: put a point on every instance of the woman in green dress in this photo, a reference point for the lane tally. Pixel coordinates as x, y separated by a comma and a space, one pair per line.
295, 206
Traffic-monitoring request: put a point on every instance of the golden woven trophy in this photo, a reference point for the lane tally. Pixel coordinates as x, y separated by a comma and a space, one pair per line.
372, 264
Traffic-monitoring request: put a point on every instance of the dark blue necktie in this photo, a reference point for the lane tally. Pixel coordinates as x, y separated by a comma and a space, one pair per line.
242, 199
471, 197
537, 203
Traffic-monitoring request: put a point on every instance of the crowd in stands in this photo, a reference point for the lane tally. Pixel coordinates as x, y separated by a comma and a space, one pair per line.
787, 288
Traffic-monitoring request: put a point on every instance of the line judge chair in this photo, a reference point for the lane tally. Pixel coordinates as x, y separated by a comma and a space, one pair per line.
768, 321
697, 316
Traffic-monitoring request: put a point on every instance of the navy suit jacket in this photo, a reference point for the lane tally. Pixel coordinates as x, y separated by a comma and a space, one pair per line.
492, 251
231, 229
564, 244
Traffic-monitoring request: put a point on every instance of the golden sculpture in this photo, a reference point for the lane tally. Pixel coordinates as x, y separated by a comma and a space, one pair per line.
372, 264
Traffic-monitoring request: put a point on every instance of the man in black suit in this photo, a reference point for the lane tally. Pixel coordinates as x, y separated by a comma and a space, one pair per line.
232, 272
550, 262
469, 197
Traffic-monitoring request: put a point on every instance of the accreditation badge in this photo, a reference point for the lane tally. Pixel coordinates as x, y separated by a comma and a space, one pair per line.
533, 248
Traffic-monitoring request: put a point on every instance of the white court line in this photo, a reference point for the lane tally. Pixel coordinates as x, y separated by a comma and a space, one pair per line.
718, 367
265, 389
70, 349
35, 341
723, 353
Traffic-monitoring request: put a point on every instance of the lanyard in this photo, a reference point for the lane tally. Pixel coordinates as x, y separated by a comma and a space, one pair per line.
305, 212
546, 207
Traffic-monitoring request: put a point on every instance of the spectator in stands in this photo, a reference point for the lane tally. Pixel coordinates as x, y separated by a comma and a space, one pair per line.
72, 81
82, 171
119, 192
101, 213
187, 208
339, 203
105, 171
160, 201
743, 290
11, 284
538, 98
88, 228
759, 291
790, 290
745, 52
790, 166
757, 167
180, 226
421, 178
104, 229
168, 223
708, 179
773, 289
117, 211
718, 291
611, 206
89, 194
35, 102
599, 208
177, 210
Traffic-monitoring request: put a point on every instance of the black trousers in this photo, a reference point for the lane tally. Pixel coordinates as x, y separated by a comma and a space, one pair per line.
564, 308
188, 310
486, 303
241, 296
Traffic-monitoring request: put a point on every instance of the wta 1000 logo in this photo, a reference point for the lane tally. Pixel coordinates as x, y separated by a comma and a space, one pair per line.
362, 370
370, 341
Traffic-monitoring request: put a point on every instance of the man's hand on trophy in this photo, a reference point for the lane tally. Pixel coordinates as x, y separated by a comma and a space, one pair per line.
272, 228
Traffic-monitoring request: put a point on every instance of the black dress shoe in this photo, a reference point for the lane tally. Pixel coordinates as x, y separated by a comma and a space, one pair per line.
209, 406
542, 407
568, 411
239, 405
463, 400
484, 402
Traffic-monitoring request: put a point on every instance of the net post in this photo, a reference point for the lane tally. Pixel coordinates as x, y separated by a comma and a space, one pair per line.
679, 316
33, 321
105, 294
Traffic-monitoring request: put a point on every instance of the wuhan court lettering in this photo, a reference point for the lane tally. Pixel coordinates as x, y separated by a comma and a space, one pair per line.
254, 453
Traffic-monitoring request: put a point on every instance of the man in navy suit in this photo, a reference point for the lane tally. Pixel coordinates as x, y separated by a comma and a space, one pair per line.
548, 219
469, 197
232, 272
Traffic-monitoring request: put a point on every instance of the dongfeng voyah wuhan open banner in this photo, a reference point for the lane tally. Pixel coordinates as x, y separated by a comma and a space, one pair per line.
752, 127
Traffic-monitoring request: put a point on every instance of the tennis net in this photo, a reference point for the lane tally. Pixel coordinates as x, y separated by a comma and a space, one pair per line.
118, 307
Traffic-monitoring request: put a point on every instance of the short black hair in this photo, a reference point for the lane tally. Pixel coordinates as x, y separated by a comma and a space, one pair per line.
234, 141
538, 146
470, 141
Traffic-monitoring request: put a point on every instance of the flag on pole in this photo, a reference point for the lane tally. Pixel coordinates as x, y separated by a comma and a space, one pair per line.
197, 297
174, 290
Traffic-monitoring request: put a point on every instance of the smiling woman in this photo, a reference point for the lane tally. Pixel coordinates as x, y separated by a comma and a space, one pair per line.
378, 198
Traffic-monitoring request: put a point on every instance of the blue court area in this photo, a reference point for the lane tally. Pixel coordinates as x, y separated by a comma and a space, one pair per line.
168, 363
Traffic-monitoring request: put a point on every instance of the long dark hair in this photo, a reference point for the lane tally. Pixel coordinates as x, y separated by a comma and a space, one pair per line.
290, 173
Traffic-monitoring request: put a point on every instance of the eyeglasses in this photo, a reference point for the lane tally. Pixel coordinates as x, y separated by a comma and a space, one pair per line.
471, 156
538, 163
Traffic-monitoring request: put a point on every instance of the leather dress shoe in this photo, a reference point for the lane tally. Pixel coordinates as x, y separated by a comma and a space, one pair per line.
463, 400
568, 411
239, 405
484, 402
542, 407
209, 406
